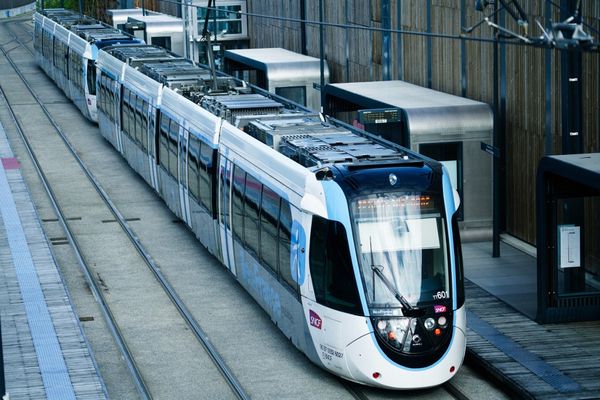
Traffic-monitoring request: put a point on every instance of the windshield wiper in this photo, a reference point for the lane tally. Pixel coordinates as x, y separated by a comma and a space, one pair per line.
408, 309
405, 304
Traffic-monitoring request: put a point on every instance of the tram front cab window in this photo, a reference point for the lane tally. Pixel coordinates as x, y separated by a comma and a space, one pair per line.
331, 267
402, 249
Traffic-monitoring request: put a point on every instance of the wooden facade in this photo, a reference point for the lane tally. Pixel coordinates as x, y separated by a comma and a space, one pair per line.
453, 65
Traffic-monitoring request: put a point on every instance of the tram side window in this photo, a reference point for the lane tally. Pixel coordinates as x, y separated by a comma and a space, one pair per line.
173, 141
144, 138
126, 115
205, 172
225, 185
91, 78
269, 216
252, 200
285, 242
102, 95
331, 266
47, 45
163, 145
194, 149
237, 202
139, 105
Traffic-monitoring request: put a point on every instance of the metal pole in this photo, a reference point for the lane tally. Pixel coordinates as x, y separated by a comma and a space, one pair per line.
184, 16
400, 59
386, 40
463, 52
322, 53
496, 182
304, 50
429, 47
548, 66
143, 8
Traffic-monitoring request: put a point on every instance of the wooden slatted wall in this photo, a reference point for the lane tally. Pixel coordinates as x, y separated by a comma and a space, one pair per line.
356, 55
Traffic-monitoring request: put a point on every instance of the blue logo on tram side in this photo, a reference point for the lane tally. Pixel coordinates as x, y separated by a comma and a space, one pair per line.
297, 256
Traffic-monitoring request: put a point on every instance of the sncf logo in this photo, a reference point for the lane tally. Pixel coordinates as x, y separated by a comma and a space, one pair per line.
315, 320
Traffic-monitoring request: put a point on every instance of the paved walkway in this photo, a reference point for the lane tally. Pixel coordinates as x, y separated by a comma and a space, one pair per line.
45, 353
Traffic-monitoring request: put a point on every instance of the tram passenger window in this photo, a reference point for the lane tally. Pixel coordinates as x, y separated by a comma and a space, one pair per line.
194, 149
173, 151
139, 129
205, 169
331, 266
144, 126
129, 122
111, 99
91, 78
252, 200
269, 215
163, 155
124, 108
286, 269
237, 202
225, 185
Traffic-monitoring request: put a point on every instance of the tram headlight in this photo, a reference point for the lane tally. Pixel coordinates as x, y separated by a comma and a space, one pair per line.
429, 324
394, 331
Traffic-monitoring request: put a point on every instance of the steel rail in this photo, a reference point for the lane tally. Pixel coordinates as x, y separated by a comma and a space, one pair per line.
179, 304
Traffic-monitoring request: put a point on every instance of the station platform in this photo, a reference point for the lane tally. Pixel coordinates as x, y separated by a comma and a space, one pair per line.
552, 361
46, 355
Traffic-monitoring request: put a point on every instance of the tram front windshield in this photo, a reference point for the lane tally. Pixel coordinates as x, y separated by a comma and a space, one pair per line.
401, 242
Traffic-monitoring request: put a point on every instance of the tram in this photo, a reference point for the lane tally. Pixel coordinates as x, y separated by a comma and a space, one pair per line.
349, 242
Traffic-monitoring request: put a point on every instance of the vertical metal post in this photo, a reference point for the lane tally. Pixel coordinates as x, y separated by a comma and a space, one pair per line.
386, 22
322, 53
429, 47
572, 138
502, 134
303, 27
282, 26
399, 58
571, 74
496, 182
347, 31
463, 52
184, 16
81, 7
143, 7
548, 78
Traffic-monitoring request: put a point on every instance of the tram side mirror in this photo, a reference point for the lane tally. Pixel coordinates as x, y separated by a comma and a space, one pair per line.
456, 200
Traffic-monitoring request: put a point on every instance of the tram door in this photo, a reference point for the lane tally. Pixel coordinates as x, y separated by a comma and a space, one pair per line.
224, 201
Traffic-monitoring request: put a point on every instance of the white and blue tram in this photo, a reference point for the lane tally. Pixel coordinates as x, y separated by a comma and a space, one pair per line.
349, 243
66, 45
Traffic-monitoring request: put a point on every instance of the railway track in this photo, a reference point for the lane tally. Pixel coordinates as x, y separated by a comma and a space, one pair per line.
342, 388
92, 276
